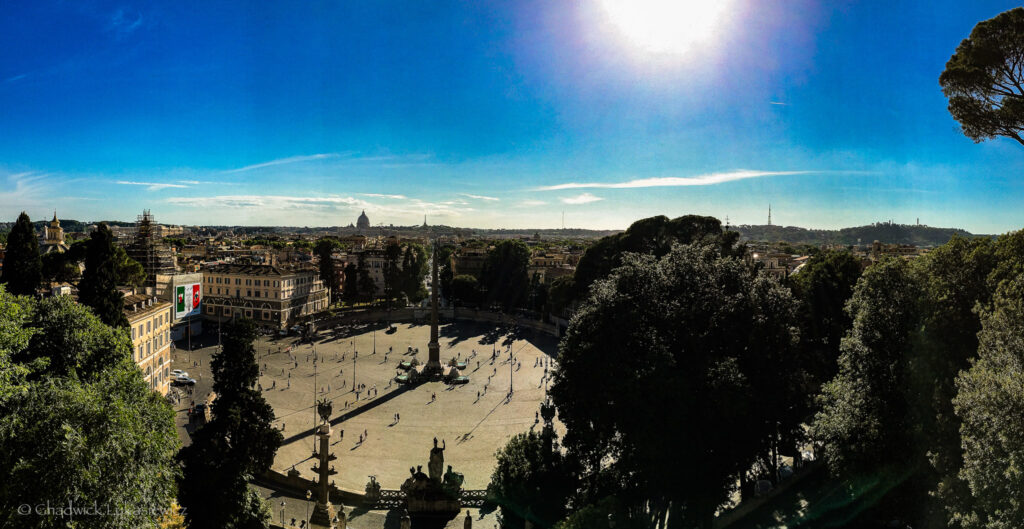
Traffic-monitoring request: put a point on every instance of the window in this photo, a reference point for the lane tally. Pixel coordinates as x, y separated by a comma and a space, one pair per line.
248, 282
248, 293
248, 314
133, 333
257, 293
238, 281
266, 315
149, 326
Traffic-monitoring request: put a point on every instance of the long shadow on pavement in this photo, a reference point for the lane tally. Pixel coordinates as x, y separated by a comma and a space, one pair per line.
351, 413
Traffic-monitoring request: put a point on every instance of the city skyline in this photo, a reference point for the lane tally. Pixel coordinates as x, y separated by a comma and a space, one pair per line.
491, 116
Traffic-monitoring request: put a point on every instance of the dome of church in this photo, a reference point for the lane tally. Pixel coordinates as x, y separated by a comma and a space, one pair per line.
363, 221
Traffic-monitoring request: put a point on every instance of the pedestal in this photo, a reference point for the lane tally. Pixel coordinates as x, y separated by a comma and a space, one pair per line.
323, 516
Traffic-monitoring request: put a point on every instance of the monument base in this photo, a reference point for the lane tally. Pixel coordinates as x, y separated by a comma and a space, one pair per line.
433, 370
323, 515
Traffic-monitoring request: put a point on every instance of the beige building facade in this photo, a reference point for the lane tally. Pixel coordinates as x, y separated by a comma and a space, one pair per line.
274, 296
150, 322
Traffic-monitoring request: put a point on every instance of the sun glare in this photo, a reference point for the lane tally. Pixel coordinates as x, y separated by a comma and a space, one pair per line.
666, 26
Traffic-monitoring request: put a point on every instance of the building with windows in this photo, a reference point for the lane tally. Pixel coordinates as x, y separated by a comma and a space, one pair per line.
274, 296
150, 322
53, 238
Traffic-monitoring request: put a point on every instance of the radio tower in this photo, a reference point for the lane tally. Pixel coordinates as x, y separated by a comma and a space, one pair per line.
769, 214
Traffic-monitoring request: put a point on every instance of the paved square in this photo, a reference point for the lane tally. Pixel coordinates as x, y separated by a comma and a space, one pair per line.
473, 428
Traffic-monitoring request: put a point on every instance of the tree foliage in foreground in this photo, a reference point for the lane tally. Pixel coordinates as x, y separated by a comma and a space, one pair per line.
865, 421
984, 79
686, 402
78, 423
530, 481
989, 402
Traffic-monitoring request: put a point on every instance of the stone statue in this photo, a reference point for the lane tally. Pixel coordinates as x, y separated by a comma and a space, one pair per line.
324, 408
436, 464
468, 524
373, 490
453, 481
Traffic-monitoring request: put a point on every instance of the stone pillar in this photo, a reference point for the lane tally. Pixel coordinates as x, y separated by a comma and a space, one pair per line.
323, 512
434, 347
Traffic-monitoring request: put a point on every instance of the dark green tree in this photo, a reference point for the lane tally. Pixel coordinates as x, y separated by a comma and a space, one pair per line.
465, 289
238, 443
392, 272
683, 381
128, 271
351, 291
98, 288
23, 268
866, 422
989, 401
57, 267
415, 266
531, 480
504, 277
77, 421
367, 286
984, 81
653, 236
956, 282
323, 250
823, 287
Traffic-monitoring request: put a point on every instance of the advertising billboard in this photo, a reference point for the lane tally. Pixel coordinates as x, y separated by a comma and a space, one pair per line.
187, 299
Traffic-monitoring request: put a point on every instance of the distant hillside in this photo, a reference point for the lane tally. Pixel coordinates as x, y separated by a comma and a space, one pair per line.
885, 233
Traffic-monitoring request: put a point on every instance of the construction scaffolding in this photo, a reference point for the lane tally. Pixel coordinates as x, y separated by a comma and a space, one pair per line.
149, 250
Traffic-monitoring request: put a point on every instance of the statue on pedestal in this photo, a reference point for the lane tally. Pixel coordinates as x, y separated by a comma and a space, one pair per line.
436, 464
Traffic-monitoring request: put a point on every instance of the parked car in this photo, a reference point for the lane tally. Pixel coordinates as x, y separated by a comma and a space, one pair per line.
183, 380
179, 373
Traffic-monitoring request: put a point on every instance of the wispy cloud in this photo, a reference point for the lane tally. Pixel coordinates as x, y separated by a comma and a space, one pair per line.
779, 103
16, 78
674, 181
406, 207
122, 23
282, 161
480, 197
24, 190
584, 198
532, 203
379, 195
151, 186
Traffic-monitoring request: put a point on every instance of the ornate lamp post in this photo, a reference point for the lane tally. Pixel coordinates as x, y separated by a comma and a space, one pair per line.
324, 513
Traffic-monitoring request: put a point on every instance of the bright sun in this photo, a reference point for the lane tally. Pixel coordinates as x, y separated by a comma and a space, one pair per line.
666, 26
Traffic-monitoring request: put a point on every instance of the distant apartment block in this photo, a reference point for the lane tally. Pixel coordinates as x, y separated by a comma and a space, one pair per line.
274, 296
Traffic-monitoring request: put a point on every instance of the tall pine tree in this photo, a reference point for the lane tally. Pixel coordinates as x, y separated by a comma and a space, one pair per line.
98, 288
23, 268
239, 443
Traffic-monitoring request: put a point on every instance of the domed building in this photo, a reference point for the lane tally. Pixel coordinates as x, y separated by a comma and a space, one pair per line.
53, 238
363, 223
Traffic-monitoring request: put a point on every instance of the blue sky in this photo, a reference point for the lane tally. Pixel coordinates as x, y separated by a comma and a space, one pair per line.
493, 114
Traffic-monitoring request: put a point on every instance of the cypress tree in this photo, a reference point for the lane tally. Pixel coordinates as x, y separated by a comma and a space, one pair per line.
98, 289
23, 268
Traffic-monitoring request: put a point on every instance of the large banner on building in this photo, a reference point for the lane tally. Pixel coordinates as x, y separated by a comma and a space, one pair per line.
187, 299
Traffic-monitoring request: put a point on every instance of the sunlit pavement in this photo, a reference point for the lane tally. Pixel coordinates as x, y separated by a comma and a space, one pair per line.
473, 429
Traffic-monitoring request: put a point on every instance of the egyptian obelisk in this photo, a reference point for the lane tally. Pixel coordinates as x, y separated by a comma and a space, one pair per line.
433, 367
